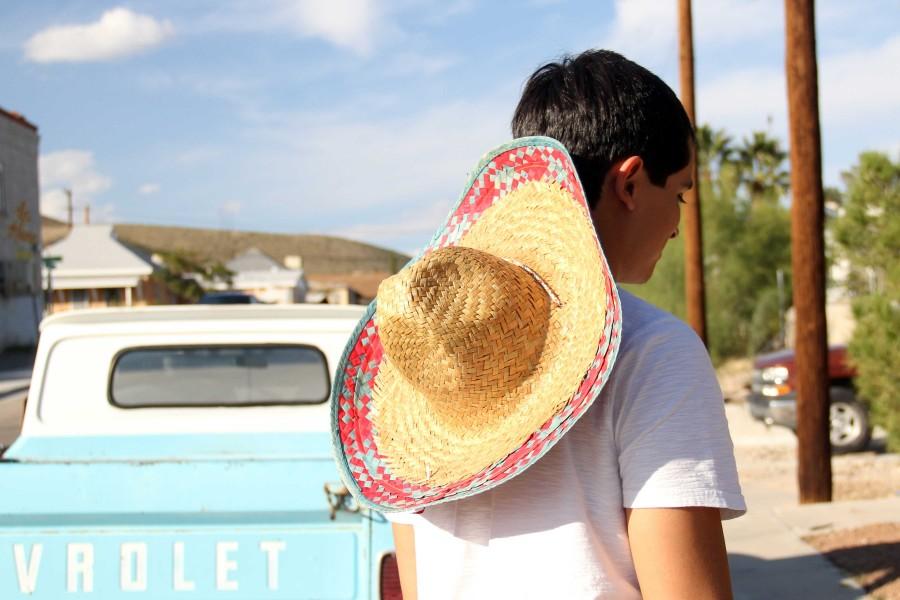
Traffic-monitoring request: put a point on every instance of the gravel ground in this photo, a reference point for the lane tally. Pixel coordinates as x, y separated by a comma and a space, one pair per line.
871, 554
859, 476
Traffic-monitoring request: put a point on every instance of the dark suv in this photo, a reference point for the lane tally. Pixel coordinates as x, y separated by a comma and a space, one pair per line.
773, 398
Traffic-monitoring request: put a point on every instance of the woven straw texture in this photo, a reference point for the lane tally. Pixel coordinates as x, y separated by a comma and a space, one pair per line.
511, 335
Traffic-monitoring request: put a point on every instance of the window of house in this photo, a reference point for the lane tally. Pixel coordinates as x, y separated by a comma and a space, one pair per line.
233, 375
80, 299
112, 296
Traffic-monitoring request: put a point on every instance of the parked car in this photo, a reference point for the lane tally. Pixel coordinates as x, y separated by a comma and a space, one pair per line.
183, 452
228, 298
773, 397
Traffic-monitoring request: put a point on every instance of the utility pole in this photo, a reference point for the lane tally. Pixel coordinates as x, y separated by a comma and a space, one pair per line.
693, 236
807, 254
69, 208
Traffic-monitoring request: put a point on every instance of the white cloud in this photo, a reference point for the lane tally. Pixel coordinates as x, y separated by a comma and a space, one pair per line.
231, 208
862, 83
148, 189
851, 85
346, 23
857, 103
388, 181
73, 170
647, 30
356, 25
736, 21
361, 162
197, 155
418, 224
744, 99
409, 63
119, 32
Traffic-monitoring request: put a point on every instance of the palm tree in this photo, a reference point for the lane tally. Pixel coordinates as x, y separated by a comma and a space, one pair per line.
714, 150
760, 160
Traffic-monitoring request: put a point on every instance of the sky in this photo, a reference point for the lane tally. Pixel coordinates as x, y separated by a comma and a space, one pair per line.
361, 118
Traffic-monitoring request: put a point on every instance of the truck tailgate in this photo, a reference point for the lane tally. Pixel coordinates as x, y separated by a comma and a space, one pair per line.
199, 529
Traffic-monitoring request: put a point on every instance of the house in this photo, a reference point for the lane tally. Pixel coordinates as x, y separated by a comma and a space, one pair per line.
21, 302
260, 275
359, 287
96, 270
332, 270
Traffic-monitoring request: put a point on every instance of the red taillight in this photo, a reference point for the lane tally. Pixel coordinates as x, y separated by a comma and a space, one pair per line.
390, 578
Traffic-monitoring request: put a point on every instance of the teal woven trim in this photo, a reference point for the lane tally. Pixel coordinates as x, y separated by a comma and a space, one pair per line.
337, 445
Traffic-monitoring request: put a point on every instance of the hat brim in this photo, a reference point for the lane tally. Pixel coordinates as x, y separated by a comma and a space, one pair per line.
364, 470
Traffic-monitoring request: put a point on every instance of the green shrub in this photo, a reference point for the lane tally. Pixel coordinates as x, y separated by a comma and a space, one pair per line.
867, 234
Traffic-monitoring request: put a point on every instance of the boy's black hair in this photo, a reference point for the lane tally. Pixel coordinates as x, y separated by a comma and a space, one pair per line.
603, 108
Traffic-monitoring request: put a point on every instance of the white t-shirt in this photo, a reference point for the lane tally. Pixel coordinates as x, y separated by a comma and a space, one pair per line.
656, 437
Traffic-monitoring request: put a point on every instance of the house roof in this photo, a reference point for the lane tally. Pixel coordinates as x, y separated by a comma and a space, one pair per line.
18, 118
91, 256
254, 259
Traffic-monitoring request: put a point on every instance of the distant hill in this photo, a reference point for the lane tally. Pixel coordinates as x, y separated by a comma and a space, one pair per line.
52, 230
321, 254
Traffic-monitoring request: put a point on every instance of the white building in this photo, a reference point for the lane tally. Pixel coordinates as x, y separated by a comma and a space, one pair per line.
96, 270
21, 302
261, 275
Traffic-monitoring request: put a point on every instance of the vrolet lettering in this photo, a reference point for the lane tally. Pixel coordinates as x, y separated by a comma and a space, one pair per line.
133, 554
27, 576
224, 566
80, 565
178, 580
272, 548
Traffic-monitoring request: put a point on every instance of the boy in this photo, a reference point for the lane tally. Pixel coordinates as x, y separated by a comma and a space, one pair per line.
628, 504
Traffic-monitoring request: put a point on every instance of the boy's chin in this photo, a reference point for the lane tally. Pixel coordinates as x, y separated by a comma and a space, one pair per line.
638, 277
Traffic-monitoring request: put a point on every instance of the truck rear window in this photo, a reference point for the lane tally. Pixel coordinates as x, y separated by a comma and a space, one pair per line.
219, 376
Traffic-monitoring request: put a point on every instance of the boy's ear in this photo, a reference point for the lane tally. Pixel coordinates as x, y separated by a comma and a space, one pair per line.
625, 179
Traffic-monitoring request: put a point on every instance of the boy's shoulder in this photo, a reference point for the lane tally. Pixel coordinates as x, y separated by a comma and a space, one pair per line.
654, 341
644, 324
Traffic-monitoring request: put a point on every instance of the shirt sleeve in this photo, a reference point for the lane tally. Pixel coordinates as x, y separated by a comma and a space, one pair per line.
403, 518
674, 446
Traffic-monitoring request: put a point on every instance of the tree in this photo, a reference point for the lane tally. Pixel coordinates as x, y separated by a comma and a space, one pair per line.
182, 274
762, 169
867, 234
714, 150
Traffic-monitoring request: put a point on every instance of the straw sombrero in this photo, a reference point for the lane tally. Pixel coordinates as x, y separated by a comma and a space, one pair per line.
486, 348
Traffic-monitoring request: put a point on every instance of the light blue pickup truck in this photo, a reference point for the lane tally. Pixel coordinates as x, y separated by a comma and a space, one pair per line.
184, 452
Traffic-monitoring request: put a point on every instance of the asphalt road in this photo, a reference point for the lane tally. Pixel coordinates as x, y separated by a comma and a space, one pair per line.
15, 376
11, 407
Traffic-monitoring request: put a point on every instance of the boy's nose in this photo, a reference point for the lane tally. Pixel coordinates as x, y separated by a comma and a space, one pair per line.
674, 234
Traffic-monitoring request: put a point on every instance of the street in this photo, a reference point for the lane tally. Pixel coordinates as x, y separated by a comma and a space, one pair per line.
15, 376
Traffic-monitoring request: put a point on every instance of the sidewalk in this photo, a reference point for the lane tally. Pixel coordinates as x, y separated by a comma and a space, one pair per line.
768, 558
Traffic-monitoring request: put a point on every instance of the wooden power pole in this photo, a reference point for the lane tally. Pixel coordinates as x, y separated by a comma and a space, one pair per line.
807, 254
693, 235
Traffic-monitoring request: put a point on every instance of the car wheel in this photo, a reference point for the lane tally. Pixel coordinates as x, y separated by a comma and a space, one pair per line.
849, 419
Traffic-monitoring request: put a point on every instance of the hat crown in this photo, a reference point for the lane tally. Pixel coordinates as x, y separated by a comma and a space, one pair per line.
464, 325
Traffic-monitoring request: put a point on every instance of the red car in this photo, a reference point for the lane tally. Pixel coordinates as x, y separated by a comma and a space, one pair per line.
773, 398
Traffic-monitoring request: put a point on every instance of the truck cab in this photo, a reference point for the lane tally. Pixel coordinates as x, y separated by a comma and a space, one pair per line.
773, 397
185, 452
